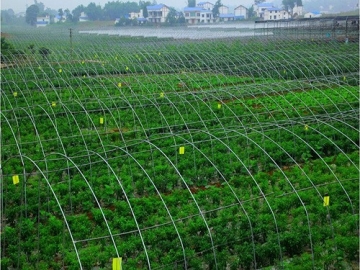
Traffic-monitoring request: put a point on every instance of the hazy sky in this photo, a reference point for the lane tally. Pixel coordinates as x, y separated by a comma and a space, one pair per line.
20, 5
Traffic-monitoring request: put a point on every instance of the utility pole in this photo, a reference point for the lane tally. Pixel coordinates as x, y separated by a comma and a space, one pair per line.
71, 44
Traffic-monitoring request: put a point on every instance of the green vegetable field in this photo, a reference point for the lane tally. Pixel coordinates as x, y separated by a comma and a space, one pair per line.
178, 153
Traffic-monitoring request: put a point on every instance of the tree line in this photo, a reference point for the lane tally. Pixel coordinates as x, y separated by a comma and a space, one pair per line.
115, 9
110, 11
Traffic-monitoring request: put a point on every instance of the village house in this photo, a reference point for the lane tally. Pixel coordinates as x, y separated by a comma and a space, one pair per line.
267, 12
42, 21
224, 15
206, 5
83, 17
223, 10
59, 18
194, 15
157, 13
297, 11
273, 13
241, 12
260, 8
312, 14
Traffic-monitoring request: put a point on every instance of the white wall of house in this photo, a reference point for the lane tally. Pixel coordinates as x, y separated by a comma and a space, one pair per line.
298, 10
241, 11
223, 10
157, 13
206, 16
135, 15
206, 5
260, 8
274, 14
42, 21
83, 17
198, 15
312, 15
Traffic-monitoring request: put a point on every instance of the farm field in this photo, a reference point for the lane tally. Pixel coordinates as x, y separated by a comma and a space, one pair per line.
178, 154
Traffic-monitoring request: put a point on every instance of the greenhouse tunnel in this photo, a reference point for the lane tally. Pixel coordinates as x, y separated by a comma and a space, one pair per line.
179, 154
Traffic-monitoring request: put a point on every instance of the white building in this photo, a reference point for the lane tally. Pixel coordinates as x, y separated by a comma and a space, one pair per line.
297, 10
194, 15
42, 21
59, 18
241, 12
227, 17
157, 13
83, 17
205, 5
135, 15
260, 8
312, 14
223, 10
273, 14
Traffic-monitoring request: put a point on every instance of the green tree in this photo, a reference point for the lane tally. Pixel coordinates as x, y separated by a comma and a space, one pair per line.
40, 5
289, 4
215, 10
114, 10
77, 12
251, 12
94, 12
68, 15
171, 18
7, 16
31, 14
181, 18
191, 3
61, 12
143, 5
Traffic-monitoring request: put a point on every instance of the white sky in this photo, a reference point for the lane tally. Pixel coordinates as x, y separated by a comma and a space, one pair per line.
20, 5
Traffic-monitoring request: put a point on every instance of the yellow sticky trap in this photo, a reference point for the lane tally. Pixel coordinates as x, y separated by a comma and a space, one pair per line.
181, 150
127, 68
82, 62
102, 64
162, 94
119, 84
15, 179
326, 200
101, 120
15, 94
116, 265
95, 55
159, 54
306, 127
53, 104
115, 57
344, 78
39, 67
60, 70
84, 76
219, 106
284, 71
